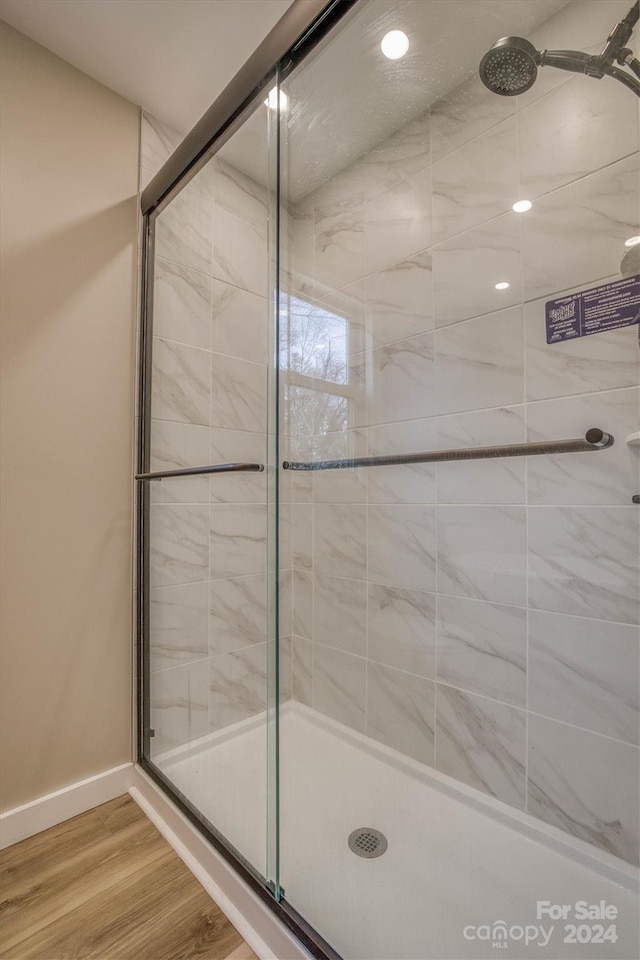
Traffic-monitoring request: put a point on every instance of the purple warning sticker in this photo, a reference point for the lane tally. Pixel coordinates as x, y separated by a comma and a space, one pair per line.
602, 308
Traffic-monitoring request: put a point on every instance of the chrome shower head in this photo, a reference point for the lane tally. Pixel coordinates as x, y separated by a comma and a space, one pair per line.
510, 67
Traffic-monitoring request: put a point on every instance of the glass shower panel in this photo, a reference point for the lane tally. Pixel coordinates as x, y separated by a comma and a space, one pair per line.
460, 750
209, 599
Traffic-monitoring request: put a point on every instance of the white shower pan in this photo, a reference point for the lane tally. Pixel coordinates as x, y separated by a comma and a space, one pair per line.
464, 876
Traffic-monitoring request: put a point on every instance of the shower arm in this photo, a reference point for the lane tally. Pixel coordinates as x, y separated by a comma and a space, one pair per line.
602, 65
592, 66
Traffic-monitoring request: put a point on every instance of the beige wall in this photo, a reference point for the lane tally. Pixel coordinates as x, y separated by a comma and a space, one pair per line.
69, 158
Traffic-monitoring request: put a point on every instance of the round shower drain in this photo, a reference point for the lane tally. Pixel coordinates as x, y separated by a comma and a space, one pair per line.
367, 842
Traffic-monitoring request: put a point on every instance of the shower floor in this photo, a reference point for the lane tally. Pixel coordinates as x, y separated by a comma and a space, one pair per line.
456, 862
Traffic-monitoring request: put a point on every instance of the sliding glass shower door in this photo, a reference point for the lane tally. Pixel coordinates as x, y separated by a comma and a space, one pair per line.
460, 753
209, 605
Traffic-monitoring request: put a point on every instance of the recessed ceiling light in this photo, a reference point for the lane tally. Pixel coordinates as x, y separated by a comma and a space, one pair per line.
272, 100
521, 206
395, 44
632, 242
503, 285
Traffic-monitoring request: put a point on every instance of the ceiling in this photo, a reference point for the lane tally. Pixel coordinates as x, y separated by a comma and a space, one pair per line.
172, 57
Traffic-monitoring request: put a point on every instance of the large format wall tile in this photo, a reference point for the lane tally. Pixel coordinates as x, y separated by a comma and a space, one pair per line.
238, 194
586, 784
479, 363
481, 481
181, 304
343, 193
179, 705
400, 711
184, 231
339, 686
482, 647
178, 624
238, 613
340, 613
481, 553
285, 603
302, 670
285, 668
467, 268
477, 182
302, 535
238, 394
239, 252
157, 142
609, 477
340, 547
339, 249
482, 743
303, 603
586, 672
400, 380
398, 223
402, 546
237, 685
178, 543
399, 300
239, 322
181, 385
576, 235
402, 629
587, 132
238, 540
347, 306
584, 561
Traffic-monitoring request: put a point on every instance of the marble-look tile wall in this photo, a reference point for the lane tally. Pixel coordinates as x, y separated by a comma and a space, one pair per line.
208, 535
480, 617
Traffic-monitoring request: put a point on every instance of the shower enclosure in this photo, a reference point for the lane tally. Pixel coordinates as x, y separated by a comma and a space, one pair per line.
389, 467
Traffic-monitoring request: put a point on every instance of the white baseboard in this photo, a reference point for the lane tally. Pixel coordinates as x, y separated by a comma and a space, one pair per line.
252, 918
45, 812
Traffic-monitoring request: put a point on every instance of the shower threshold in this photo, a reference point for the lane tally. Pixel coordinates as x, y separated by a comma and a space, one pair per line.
458, 865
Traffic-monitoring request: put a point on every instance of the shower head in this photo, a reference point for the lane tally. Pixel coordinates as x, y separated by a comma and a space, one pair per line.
510, 67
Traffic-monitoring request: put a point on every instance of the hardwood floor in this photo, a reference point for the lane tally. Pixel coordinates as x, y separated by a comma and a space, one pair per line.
107, 886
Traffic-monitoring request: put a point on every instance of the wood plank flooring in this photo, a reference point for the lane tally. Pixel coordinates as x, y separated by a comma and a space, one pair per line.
107, 886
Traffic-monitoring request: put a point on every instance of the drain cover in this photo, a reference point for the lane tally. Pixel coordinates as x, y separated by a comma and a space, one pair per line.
367, 842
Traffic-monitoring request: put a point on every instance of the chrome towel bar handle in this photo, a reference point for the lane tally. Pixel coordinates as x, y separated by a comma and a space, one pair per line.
594, 439
199, 471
